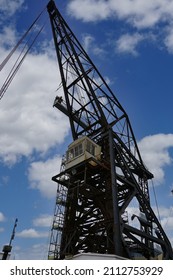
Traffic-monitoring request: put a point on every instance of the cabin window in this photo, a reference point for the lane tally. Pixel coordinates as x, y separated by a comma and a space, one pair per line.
90, 147
75, 152
70, 154
78, 150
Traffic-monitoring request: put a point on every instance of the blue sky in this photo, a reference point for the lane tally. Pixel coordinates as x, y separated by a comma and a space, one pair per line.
131, 43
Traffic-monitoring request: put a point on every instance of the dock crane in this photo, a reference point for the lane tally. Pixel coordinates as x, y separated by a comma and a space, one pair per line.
102, 173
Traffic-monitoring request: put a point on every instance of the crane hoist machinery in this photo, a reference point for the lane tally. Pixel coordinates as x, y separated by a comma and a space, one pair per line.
103, 203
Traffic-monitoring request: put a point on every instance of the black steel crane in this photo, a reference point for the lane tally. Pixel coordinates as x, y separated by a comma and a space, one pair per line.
102, 174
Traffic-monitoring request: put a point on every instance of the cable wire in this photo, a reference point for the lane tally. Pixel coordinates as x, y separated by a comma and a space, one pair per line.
21, 56
156, 201
17, 65
20, 41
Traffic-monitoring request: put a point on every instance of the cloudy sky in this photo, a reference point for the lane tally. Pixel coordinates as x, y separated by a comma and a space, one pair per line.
131, 42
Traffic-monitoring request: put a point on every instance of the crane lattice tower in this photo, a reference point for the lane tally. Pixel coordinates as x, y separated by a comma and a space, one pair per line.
102, 174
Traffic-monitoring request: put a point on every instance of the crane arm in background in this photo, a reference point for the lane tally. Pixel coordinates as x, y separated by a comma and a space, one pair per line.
27, 41
7, 248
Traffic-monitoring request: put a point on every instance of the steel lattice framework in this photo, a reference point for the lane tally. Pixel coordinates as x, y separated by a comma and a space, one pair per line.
93, 201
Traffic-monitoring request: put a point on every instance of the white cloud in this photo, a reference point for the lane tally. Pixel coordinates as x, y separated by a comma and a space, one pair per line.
87, 41
89, 10
155, 153
7, 37
163, 211
40, 174
169, 39
140, 14
43, 221
166, 220
38, 251
2, 217
167, 223
128, 43
1, 229
90, 45
31, 233
28, 122
5, 180
8, 7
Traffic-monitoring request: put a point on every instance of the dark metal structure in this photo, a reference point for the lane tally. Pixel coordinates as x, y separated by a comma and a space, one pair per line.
95, 195
7, 248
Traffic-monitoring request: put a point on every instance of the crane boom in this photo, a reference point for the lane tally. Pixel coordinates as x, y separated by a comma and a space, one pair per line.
96, 189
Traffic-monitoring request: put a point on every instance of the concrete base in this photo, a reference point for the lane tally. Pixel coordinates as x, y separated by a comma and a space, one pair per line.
93, 256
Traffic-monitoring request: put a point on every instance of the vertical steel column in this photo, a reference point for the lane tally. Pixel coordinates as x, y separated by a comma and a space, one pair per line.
116, 223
